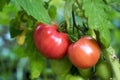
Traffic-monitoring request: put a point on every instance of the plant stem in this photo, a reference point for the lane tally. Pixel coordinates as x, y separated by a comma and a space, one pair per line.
78, 3
113, 61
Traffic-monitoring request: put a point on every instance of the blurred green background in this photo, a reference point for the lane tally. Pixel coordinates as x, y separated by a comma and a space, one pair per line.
15, 68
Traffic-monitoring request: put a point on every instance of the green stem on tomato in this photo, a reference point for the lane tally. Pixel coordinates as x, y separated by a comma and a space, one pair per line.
113, 61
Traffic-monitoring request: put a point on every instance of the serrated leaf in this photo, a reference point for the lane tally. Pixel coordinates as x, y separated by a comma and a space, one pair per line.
98, 19
36, 9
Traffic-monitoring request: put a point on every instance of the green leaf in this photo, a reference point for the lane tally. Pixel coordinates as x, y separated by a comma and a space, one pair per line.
112, 13
2, 3
104, 38
36, 61
8, 12
52, 12
14, 28
37, 64
114, 3
98, 19
21, 22
68, 11
36, 9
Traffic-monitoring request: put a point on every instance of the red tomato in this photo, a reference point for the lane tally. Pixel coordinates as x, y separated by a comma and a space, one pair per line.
51, 43
84, 53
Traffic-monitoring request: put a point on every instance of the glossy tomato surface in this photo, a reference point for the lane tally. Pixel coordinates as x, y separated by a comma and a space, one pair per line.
84, 53
51, 43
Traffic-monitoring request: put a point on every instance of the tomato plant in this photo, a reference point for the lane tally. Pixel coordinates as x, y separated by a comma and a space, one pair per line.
84, 53
51, 43
98, 19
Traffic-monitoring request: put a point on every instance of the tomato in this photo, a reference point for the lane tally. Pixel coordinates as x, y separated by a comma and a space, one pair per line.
84, 53
73, 77
64, 66
50, 42
86, 73
103, 71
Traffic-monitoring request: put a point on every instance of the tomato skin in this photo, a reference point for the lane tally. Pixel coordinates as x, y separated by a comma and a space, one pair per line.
84, 53
51, 43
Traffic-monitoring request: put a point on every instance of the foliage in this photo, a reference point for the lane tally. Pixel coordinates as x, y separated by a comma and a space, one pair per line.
97, 18
36, 9
98, 21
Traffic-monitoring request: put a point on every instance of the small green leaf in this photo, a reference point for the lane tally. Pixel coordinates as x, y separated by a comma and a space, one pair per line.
36, 9
52, 12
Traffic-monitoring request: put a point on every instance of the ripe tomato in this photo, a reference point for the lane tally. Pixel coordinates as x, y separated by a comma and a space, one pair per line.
51, 43
84, 53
